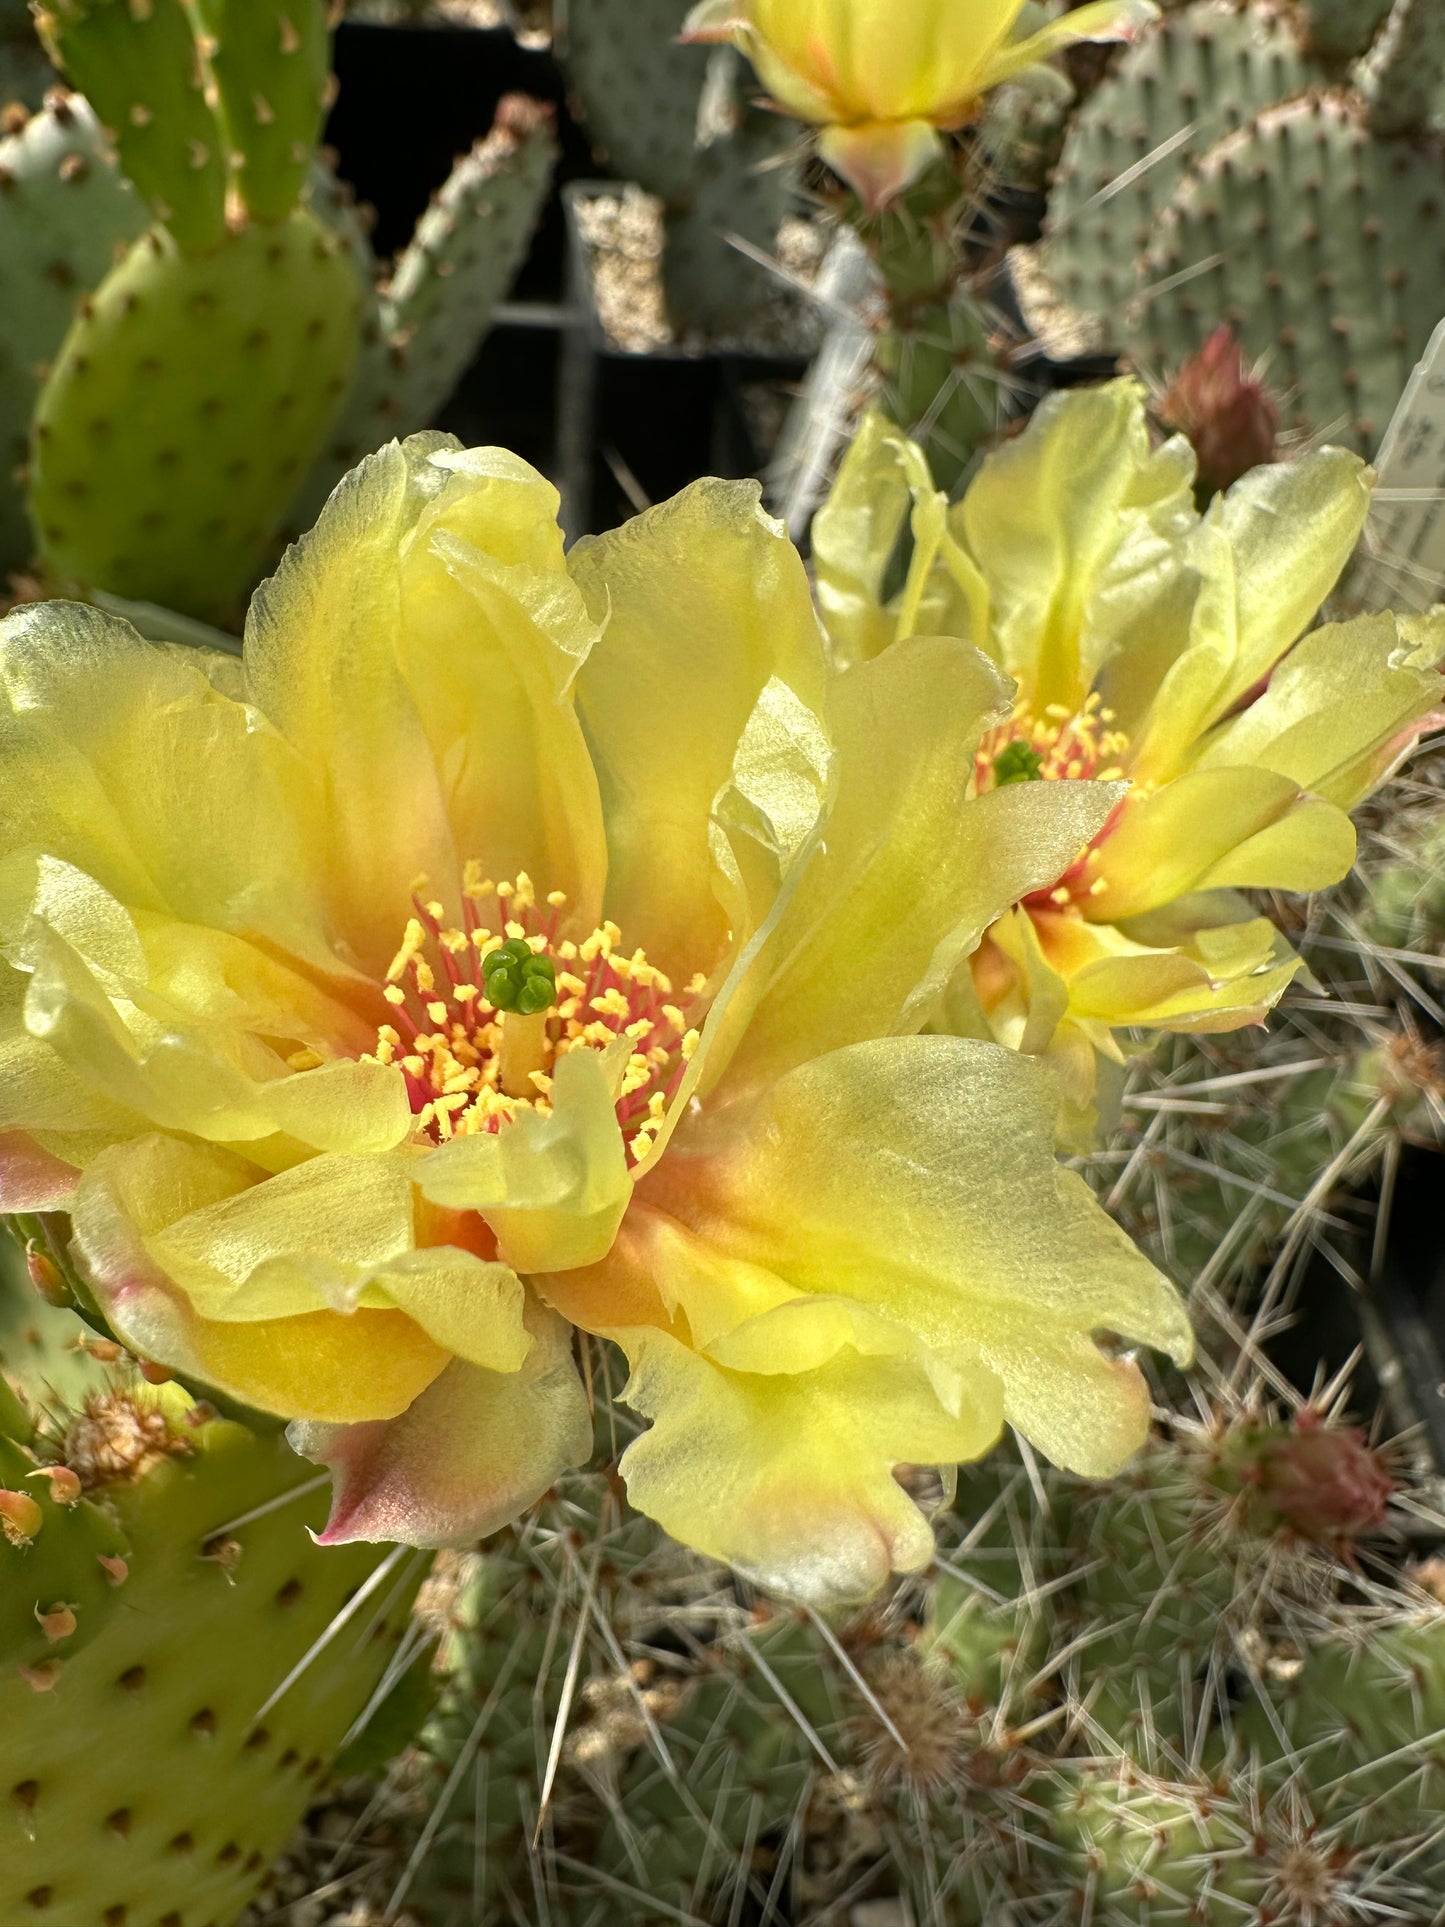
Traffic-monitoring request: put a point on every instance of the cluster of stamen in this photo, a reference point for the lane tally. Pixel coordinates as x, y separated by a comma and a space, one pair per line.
1058, 744
480, 1013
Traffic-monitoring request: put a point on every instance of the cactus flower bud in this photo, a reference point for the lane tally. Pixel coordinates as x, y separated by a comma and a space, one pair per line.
117, 1571
1220, 403
1326, 1483
20, 1518
881, 80
42, 1677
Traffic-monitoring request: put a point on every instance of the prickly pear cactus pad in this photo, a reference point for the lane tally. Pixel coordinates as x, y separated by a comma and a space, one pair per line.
370, 1153
201, 1659
185, 408
1305, 198
1196, 76
167, 401
65, 212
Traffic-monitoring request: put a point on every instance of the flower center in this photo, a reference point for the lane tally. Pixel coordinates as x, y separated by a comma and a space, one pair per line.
481, 1013
1058, 744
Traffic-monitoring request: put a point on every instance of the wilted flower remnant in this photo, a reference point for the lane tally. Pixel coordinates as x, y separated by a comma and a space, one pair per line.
516, 942
883, 78
1157, 646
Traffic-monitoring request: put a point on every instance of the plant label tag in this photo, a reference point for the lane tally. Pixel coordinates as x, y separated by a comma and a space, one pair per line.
1405, 535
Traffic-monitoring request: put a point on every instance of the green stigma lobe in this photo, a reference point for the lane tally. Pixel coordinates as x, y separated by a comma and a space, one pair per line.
1017, 763
516, 979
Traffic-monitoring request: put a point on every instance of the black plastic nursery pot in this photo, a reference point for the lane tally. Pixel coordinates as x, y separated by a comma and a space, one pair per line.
635, 426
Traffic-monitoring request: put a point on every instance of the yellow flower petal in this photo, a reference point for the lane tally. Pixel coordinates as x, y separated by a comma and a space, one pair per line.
494, 633
1268, 553
554, 1188
1248, 828
321, 662
1060, 521
911, 872
1340, 710
122, 758
789, 1476
317, 1363
705, 601
473, 1450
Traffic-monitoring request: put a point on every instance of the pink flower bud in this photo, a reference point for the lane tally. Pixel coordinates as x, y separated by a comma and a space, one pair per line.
42, 1677
1323, 1482
1226, 411
116, 1569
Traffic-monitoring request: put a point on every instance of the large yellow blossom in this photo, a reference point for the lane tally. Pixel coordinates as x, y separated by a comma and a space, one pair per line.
514, 942
1157, 646
881, 77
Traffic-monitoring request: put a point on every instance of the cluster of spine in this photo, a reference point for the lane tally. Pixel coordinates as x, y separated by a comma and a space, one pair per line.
1191, 1696
680, 122
176, 257
1276, 168
179, 1663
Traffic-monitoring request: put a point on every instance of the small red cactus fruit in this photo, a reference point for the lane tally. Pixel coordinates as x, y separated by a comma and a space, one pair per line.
1325, 1483
1220, 403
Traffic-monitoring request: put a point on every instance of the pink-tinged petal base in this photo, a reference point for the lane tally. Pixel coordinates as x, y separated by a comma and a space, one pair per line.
878, 161
474, 1450
32, 1179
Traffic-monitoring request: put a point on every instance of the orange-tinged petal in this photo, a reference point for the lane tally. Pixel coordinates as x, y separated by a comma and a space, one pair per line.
877, 1248
880, 158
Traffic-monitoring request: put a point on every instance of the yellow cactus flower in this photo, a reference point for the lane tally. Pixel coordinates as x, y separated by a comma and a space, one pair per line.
882, 77
511, 942
1151, 645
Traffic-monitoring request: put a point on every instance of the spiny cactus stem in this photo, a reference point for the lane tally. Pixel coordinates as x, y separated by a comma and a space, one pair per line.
1401, 77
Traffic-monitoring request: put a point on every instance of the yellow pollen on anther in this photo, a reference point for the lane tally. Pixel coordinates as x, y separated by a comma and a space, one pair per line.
450, 1042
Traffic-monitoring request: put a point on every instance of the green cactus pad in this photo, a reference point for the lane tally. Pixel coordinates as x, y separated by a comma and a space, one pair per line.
65, 213
272, 62
140, 68
1343, 29
152, 1784
1332, 249
1208, 68
188, 394
445, 289
639, 89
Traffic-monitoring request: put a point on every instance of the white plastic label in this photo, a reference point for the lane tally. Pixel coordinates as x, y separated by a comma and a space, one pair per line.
1405, 535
